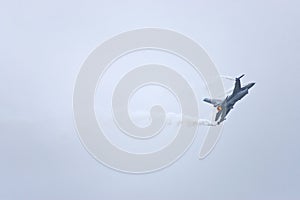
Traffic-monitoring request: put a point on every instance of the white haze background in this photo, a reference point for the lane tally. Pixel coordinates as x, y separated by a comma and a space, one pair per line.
44, 43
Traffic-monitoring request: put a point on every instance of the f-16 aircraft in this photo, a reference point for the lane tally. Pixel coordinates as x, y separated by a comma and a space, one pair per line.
224, 106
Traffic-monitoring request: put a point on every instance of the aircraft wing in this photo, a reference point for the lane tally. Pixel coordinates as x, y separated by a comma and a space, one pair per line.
214, 102
237, 86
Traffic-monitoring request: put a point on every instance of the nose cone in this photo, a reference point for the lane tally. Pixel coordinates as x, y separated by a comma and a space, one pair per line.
250, 85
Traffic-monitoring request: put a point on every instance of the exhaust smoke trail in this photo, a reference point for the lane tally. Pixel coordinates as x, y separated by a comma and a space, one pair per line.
187, 120
171, 119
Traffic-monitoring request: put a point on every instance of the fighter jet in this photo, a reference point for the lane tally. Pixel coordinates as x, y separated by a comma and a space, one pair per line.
224, 106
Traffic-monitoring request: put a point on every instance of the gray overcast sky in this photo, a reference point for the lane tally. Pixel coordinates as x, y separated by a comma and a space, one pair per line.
44, 43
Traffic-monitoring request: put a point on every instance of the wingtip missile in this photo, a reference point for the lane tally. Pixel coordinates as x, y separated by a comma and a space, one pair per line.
241, 76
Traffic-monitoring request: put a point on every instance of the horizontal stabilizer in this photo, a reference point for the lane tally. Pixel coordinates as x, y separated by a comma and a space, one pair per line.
218, 115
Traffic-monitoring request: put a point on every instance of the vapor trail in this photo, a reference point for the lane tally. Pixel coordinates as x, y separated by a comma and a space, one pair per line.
228, 78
